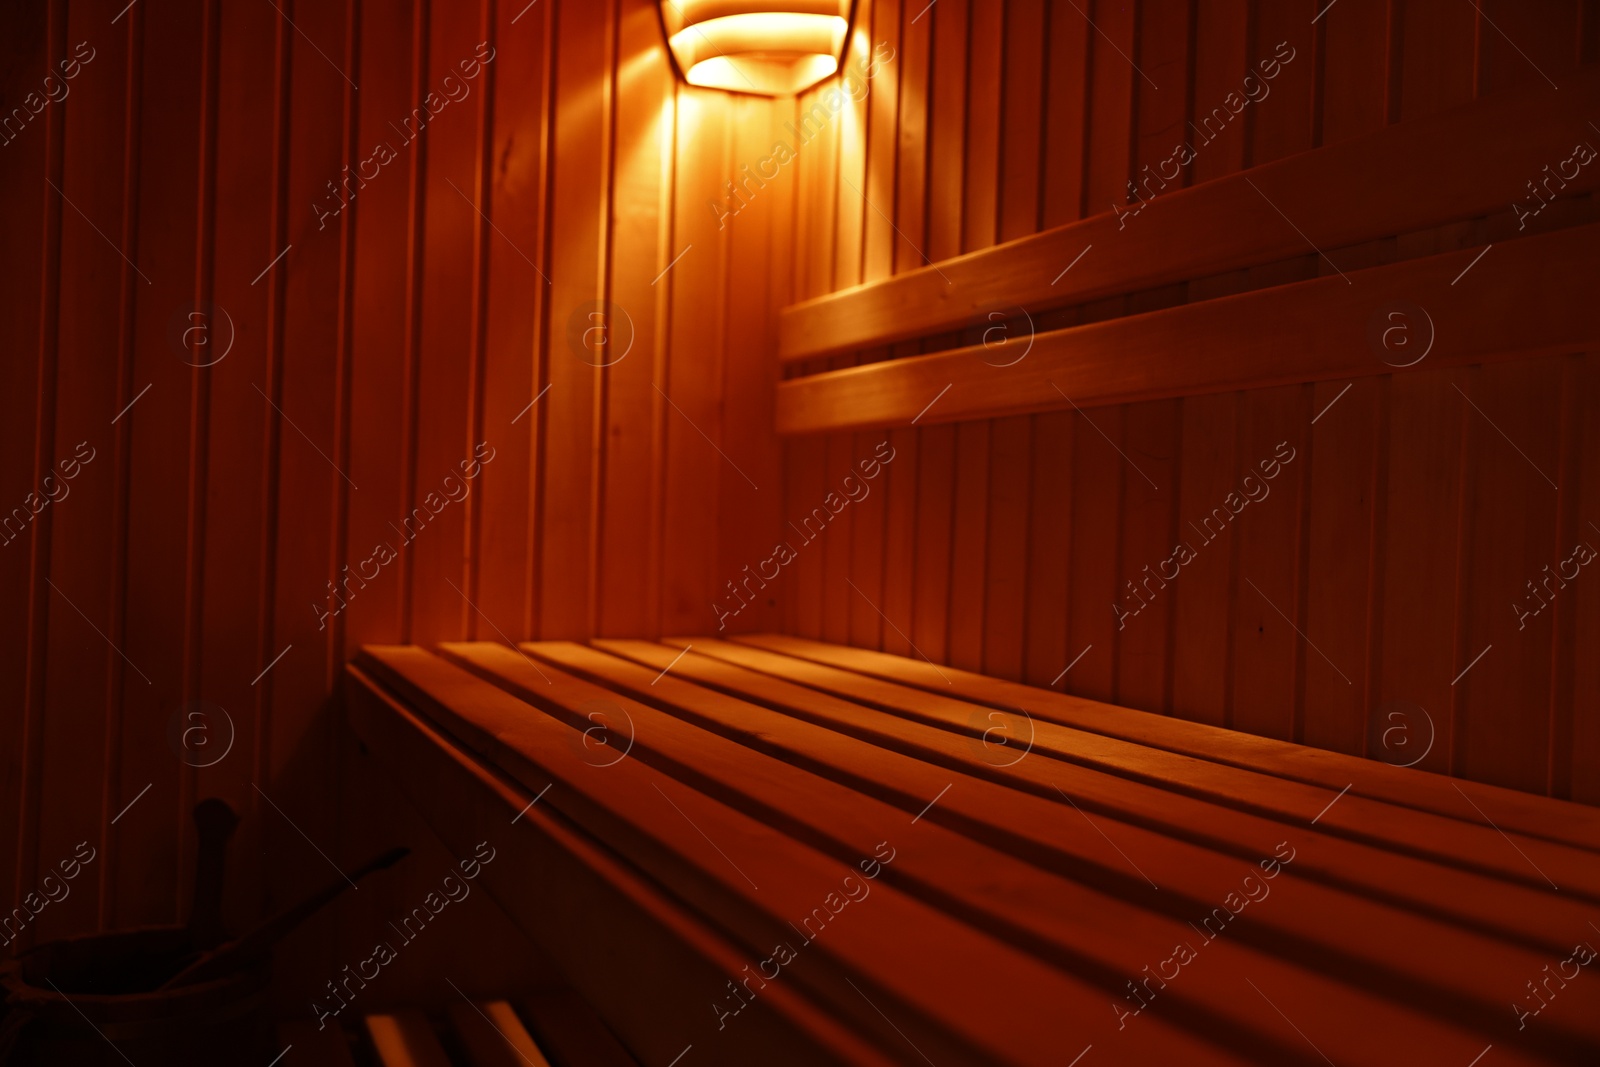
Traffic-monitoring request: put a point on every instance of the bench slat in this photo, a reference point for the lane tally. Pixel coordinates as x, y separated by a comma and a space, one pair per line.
910, 962
1542, 817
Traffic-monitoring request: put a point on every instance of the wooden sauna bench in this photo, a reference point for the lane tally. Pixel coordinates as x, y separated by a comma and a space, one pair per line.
775, 851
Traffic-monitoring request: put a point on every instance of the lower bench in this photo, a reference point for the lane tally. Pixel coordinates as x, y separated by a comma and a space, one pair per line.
783, 852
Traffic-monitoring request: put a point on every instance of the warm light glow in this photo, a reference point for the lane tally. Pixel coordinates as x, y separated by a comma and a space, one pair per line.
749, 47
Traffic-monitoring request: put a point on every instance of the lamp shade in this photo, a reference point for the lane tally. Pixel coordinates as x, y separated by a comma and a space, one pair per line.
771, 48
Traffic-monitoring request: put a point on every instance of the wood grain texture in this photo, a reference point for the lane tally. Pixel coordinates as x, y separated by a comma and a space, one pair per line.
386, 320
1140, 357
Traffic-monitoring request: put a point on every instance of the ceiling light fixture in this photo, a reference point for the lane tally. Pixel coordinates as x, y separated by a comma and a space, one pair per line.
771, 48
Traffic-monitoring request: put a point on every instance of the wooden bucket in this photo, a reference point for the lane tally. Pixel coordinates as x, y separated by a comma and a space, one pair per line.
65, 1008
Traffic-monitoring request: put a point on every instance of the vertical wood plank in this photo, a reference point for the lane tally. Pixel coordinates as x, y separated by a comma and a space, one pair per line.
1221, 56
1342, 528
147, 855
234, 506
580, 193
643, 88
1282, 117
1006, 546
1150, 495
1513, 589
1439, 44
694, 469
1420, 550
1268, 652
1066, 113
1095, 580
519, 326
1203, 592
1021, 120
1525, 44
968, 545
748, 506
947, 128
882, 137
936, 450
1355, 69
72, 777
1582, 775
1049, 549
985, 61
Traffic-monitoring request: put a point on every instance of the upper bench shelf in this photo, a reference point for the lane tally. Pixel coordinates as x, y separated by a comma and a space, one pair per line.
1406, 177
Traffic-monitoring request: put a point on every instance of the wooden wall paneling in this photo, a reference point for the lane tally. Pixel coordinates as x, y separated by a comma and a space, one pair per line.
694, 469
1281, 121
807, 168
806, 479
1345, 461
1096, 582
1502, 703
1524, 44
1162, 115
1022, 81
1150, 490
580, 245
1269, 655
1569, 531
1355, 69
900, 538
1583, 754
854, 198
947, 125
300, 755
879, 187
39, 600
1049, 550
980, 228
749, 502
881, 183
147, 853
1222, 56
930, 603
1066, 113
835, 544
868, 529
28, 49
912, 69
851, 205
1202, 595
1150, 494
86, 147
985, 66
643, 88
969, 544
1342, 529
1112, 104
1005, 541
824, 151
1005, 576
1439, 39
235, 507
520, 328
1420, 550
386, 233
